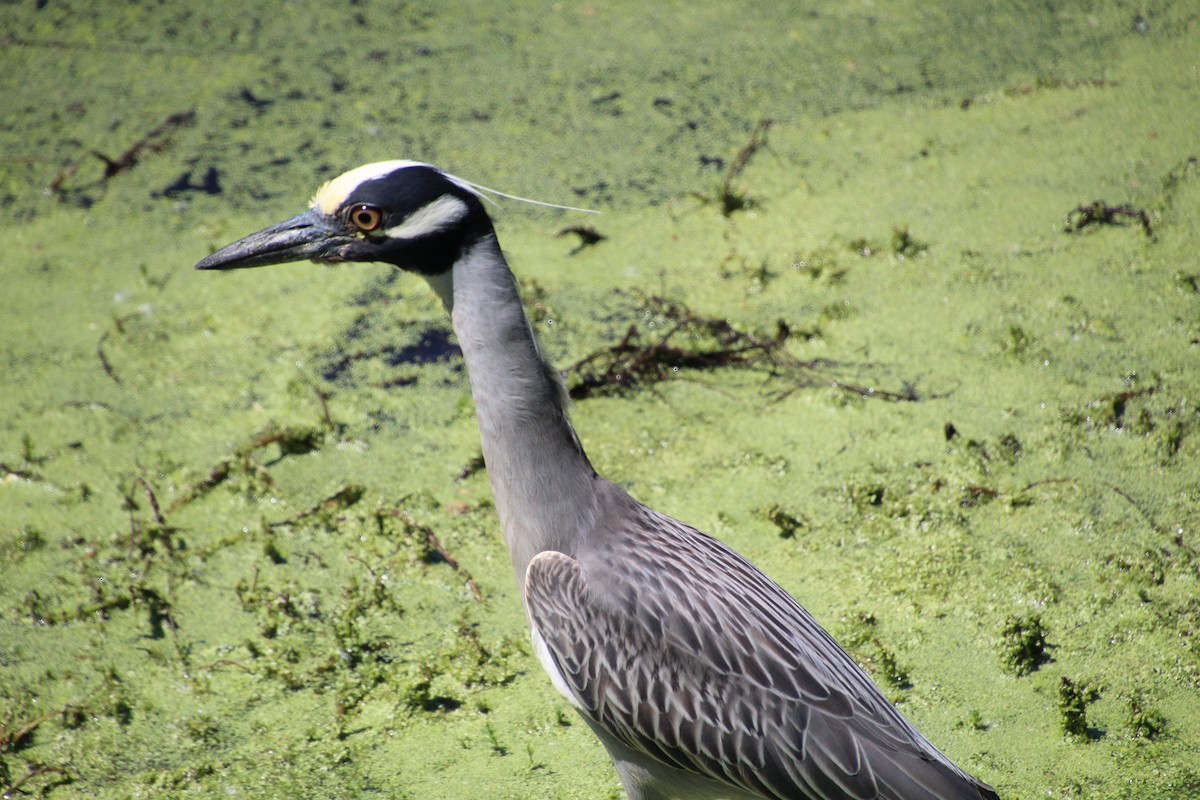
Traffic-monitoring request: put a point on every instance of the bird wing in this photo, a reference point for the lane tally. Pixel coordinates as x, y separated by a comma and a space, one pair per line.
690, 654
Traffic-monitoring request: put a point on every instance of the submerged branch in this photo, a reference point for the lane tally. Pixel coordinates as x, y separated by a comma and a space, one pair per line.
691, 341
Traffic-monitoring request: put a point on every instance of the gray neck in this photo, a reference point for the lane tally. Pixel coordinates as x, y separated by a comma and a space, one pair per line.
543, 484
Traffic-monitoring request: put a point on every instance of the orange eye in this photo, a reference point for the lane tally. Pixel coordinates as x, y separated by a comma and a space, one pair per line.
364, 217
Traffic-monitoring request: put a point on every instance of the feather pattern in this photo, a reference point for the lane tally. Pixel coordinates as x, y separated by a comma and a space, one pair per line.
686, 653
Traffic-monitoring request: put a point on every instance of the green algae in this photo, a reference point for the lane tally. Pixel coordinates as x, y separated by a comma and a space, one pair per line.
218, 491
1024, 643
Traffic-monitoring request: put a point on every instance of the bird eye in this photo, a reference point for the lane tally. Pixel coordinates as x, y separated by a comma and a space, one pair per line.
364, 217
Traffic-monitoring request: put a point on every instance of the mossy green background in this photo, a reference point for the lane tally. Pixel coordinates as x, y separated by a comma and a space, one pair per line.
283, 624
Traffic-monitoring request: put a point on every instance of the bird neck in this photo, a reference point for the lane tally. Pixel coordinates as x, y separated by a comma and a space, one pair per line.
544, 486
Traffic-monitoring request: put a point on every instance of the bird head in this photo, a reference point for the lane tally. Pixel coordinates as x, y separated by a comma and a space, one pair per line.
405, 213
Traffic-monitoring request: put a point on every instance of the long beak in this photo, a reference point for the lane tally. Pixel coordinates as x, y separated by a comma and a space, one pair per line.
308, 236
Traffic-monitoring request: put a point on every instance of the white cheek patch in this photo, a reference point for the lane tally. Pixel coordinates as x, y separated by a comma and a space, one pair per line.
330, 197
445, 212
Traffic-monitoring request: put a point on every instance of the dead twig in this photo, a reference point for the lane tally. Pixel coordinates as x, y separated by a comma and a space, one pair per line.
726, 196
13, 739
343, 498
473, 466
634, 361
292, 440
588, 236
16, 473
432, 548
105, 364
223, 662
690, 341
153, 142
158, 517
32, 771
216, 476
326, 417
295, 440
58, 44
1101, 213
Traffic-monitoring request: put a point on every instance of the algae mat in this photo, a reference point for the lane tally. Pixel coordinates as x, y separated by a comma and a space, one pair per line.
247, 546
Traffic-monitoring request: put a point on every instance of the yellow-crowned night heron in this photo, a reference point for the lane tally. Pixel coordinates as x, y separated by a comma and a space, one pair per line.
702, 677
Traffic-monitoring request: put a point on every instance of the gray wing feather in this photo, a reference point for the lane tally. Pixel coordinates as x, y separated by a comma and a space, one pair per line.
689, 654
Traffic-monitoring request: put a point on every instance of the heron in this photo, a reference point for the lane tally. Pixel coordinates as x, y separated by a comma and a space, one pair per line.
701, 676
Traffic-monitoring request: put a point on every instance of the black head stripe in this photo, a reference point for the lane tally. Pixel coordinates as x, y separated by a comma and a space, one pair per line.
404, 192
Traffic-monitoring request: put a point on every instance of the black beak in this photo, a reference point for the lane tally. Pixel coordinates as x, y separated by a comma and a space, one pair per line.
309, 236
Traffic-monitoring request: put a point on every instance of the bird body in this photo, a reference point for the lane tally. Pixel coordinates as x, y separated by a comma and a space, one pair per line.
700, 675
